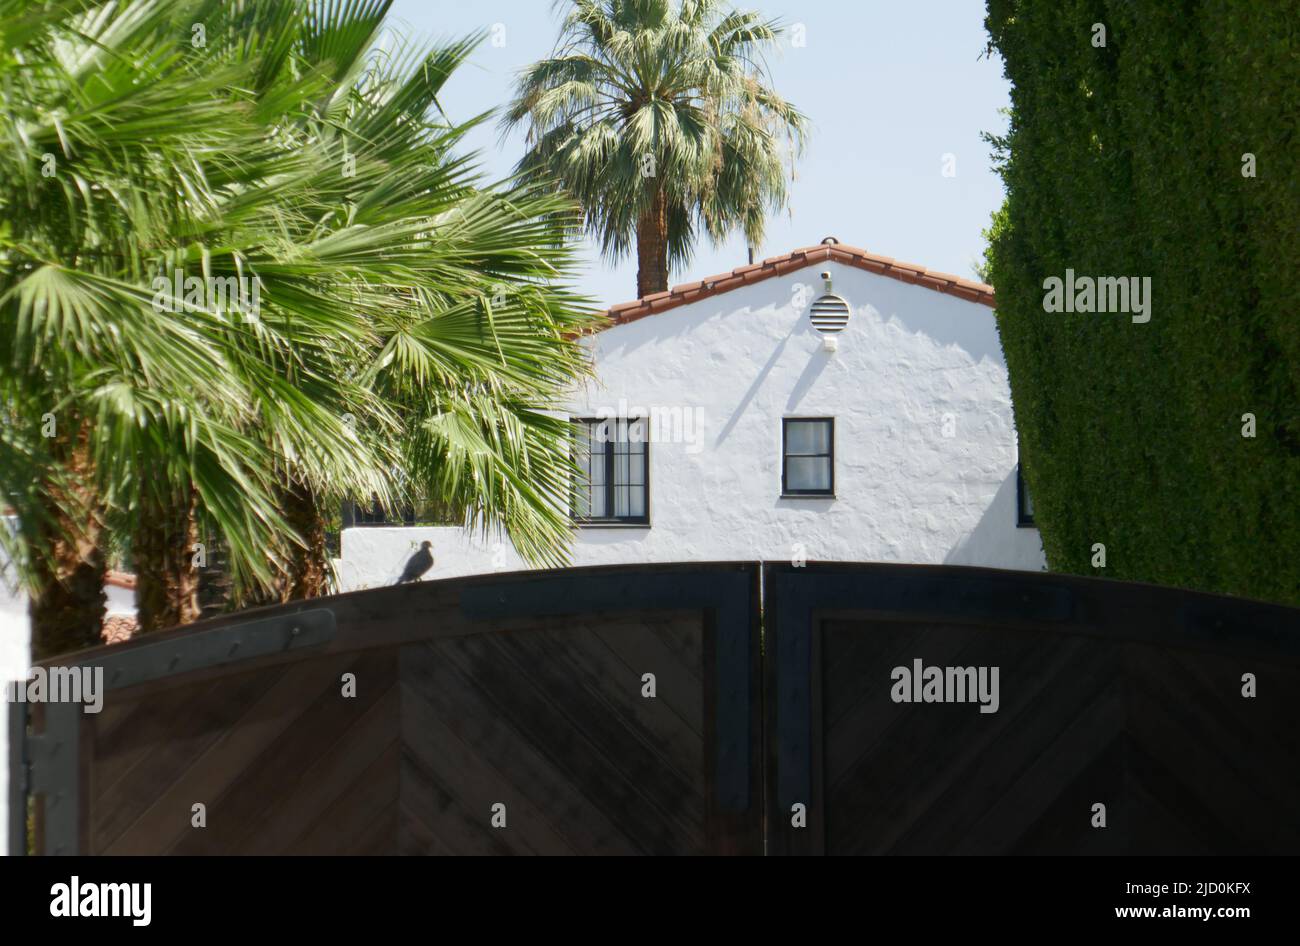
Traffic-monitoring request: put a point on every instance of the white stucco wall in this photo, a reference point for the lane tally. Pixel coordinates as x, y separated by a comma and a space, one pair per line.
119, 600
735, 364
373, 556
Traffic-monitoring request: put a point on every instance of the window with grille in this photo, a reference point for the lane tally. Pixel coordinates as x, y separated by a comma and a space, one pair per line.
613, 486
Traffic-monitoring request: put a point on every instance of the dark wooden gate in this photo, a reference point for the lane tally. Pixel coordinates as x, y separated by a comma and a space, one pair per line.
509, 714
491, 715
1124, 695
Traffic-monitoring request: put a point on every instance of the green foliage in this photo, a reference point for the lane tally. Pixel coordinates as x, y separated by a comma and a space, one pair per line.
1127, 161
414, 320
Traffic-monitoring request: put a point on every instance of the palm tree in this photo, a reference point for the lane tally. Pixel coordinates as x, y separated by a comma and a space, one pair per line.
106, 134
459, 288
413, 324
659, 118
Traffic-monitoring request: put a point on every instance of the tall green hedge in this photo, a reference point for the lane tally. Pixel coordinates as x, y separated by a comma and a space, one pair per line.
1127, 160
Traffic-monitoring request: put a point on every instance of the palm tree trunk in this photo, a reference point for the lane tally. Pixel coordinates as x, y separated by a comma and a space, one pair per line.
307, 568
652, 247
167, 576
215, 586
68, 612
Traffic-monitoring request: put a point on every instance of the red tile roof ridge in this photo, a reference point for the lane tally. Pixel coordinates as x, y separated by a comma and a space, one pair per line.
752, 273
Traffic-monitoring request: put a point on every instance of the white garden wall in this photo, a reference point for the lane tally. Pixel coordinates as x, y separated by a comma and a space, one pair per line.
912, 365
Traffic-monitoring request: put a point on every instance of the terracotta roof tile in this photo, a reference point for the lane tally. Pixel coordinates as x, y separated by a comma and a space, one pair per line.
118, 628
966, 289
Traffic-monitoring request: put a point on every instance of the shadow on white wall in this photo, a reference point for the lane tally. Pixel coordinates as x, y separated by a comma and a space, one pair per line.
1024, 547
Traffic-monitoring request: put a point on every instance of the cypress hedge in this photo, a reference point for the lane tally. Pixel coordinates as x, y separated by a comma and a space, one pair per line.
1169, 152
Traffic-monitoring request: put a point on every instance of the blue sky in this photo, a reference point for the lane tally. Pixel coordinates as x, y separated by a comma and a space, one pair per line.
890, 88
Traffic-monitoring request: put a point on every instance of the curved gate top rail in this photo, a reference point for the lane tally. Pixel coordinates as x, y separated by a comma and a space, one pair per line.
675, 708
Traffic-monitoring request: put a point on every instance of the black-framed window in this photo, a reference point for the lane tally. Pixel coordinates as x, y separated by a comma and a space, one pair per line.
613, 457
808, 456
1024, 505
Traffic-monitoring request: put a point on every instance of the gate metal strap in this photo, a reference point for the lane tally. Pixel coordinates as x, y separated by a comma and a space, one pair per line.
18, 777
221, 645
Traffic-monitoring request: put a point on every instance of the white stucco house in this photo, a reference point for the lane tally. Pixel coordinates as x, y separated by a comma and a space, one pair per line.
755, 415
759, 415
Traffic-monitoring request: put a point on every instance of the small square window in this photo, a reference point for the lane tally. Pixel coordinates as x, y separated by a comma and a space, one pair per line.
808, 456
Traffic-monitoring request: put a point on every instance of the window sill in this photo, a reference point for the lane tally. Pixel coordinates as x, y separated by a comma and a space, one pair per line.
612, 525
807, 496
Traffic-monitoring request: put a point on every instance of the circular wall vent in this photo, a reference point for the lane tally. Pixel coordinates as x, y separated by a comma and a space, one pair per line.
829, 313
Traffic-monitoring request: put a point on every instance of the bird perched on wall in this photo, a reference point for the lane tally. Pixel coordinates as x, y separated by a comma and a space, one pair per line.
418, 564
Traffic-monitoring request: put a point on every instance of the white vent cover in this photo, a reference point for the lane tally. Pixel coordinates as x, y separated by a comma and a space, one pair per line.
829, 312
